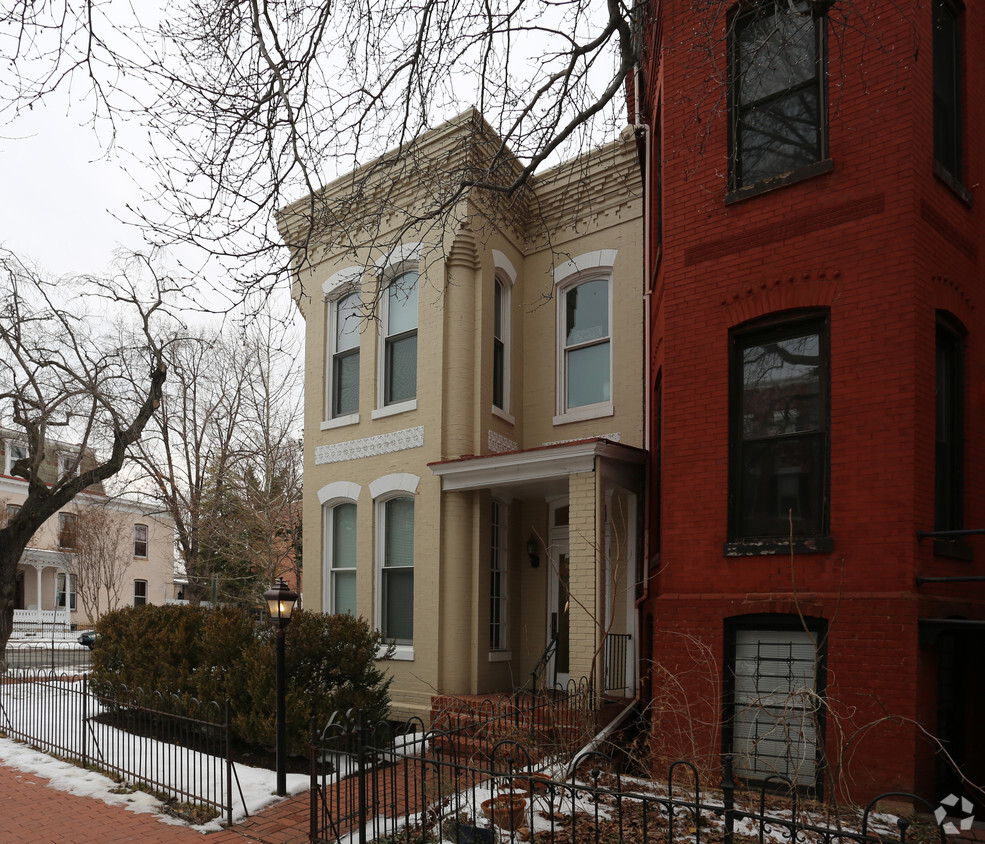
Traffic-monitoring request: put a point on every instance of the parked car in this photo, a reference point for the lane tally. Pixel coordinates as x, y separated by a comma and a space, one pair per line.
87, 638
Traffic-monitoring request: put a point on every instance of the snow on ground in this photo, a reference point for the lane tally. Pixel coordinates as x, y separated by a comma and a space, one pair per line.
257, 784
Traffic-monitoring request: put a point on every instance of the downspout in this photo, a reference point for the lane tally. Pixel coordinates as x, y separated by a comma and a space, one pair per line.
644, 129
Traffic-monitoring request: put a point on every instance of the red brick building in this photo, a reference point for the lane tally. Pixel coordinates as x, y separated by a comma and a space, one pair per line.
817, 388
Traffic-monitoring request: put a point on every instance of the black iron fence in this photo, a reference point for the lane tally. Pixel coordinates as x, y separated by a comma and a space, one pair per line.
371, 783
26, 660
176, 747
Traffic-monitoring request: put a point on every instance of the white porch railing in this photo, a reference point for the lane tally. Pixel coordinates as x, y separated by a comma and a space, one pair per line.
40, 621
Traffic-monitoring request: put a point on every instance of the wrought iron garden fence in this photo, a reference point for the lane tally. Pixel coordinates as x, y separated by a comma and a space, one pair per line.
370, 783
177, 747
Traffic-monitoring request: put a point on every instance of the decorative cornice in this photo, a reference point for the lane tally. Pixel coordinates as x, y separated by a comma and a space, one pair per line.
498, 444
370, 446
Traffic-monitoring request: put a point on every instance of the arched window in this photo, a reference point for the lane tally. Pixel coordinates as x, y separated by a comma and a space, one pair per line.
339, 548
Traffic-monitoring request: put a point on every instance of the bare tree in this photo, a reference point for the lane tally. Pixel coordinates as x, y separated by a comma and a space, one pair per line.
103, 550
221, 456
60, 373
255, 105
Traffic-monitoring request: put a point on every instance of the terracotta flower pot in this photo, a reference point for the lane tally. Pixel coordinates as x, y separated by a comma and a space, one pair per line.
505, 811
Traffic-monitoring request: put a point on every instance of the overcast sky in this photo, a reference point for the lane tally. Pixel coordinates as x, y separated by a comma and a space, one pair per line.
59, 194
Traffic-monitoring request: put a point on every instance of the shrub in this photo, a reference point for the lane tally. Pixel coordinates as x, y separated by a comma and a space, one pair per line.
331, 664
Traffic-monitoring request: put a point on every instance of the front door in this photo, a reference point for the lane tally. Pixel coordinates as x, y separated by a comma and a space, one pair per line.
558, 609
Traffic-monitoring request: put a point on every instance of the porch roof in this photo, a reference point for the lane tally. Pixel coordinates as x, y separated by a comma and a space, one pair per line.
41, 557
540, 464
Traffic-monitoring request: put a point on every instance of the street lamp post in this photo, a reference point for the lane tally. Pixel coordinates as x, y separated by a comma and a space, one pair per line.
280, 605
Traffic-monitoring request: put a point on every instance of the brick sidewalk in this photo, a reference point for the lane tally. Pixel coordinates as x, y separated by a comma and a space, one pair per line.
33, 812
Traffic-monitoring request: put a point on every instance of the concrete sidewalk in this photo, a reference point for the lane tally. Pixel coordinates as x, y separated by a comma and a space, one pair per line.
34, 812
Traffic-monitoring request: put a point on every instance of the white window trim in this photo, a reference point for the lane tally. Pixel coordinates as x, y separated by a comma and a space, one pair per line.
394, 409
339, 491
341, 290
327, 508
146, 600
65, 457
338, 421
391, 273
9, 446
503, 282
146, 553
399, 485
565, 283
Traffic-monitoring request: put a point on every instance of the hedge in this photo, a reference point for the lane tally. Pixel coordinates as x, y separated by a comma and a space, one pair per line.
331, 664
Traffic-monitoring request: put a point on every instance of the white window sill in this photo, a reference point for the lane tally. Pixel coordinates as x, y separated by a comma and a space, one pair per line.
340, 421
394, 409
500, 656
502, 414
400, 652
580, 414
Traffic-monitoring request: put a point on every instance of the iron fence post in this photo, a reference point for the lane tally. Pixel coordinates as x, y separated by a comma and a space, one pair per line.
85, 720
313, 782
361, 768
728, 798
229, 764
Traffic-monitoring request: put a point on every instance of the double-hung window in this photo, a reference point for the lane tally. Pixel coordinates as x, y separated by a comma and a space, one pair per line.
67, 530
400, 340
586, 345
396, 570
140, 540
948, 463
947, 87
501, 348
777, 112
498, 557
65, 591
779, 408
340, 562
139, 593
15, 452
343, 353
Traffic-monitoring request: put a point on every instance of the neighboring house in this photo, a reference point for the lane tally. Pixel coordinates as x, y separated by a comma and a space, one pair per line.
818, 356
473, 472
48, 574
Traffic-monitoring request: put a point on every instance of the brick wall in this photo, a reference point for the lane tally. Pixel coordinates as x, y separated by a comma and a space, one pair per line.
881, 244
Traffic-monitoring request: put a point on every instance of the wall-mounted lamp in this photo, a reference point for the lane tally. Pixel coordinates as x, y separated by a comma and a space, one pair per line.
532, 551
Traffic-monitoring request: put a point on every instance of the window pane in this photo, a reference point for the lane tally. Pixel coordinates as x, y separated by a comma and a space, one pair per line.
401, 369
782, 478
344, 592
776, 52
347, 318
588, 375
399, 516
587, 312
781, 387
776, 91
344, 536
398, 605
345, 381
402, 304
498, 373
779, 136
498, 312
947, 127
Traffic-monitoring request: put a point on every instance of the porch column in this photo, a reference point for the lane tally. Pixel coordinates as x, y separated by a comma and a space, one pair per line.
457, 620
39, 570
585, 613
